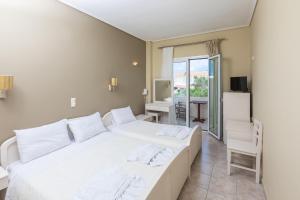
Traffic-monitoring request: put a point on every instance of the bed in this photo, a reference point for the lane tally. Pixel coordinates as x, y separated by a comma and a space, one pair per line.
147, 131
58, 175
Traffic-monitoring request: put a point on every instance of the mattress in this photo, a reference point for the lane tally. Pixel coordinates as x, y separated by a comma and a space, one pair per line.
59, 175
144, 130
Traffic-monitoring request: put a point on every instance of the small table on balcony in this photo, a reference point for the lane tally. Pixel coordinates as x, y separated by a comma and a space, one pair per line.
198, 119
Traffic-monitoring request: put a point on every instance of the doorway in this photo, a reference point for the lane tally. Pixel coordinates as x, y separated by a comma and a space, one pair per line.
197, 92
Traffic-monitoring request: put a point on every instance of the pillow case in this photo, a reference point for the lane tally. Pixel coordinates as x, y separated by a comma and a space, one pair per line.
122, 115
36, 142
86, 127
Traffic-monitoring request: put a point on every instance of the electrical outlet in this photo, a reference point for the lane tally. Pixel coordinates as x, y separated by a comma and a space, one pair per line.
73, 102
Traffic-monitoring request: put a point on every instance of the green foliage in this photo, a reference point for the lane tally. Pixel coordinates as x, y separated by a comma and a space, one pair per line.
199, 88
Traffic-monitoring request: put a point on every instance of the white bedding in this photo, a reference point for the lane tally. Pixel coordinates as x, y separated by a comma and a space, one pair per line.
60, 175
112, 184
151, 154
148, 131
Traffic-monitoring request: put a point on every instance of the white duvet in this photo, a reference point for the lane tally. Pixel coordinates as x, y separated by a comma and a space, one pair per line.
150, 131
112, 184
151, 154
61, 174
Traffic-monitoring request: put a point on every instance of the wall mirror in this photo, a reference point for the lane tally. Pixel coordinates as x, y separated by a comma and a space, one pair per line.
162, 90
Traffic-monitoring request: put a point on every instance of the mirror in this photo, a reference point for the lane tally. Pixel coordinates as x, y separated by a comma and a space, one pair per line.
162, 90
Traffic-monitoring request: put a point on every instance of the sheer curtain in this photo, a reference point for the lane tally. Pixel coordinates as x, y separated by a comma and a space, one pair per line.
167, 73
167, 63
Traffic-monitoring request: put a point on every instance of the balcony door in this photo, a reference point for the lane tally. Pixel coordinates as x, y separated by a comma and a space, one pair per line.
190, 91
215, 97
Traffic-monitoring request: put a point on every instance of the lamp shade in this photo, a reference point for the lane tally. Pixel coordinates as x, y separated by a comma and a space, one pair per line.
114, 81
6, 82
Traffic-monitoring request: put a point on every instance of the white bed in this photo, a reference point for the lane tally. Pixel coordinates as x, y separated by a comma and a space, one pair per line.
147, 131
60, 174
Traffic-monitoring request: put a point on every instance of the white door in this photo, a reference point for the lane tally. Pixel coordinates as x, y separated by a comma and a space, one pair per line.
215, 97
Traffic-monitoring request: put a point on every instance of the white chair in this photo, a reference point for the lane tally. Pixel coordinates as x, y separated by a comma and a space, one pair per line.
250, 148
237, 129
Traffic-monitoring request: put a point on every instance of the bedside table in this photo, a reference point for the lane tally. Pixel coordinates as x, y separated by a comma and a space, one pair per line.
143, 117
3, 178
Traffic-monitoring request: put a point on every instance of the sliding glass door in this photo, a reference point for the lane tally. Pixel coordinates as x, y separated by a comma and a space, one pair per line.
180, 92
190, 91
215, 97
198, 87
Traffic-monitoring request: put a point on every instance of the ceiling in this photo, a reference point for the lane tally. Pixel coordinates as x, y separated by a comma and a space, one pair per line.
162, 19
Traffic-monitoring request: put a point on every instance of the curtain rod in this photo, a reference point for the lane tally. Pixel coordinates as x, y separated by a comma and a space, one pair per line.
190, 43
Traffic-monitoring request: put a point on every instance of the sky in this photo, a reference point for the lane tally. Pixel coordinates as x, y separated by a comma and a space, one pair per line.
198, 65
195, 65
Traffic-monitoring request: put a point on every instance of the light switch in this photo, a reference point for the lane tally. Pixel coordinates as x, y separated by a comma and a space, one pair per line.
73, 102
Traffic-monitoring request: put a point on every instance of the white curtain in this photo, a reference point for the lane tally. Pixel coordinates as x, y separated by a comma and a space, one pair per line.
167, 63
167, 73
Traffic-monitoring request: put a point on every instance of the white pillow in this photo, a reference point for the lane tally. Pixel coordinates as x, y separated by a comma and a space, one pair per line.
86, 127
36, 142
122, 115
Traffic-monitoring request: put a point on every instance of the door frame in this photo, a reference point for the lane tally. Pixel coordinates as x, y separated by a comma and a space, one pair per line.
220, 99
187, 61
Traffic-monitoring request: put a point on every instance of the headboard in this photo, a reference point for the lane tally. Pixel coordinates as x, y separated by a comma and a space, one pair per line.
9, 149
9, 152
107, 119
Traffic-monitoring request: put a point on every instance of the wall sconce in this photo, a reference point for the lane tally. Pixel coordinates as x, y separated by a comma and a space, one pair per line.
135, 63
145, 93
112, 86
6, 83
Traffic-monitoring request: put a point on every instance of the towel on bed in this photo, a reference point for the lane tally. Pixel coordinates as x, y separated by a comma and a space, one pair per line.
151, 154
113, 184
180, 132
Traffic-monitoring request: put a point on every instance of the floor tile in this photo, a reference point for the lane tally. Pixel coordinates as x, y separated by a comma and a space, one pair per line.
224, 185
205, 168
219, 172
214, 196
200, 180
209, 179
248, 189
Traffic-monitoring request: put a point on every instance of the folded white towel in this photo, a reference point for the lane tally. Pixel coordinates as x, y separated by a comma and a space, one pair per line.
113, 184
151, 154
180, 132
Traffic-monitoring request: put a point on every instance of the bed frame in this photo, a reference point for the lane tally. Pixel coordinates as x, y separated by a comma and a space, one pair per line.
9, 152
195, 140
168, 187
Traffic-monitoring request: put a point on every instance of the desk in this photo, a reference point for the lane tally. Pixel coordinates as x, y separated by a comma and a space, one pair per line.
198, 119
166, 110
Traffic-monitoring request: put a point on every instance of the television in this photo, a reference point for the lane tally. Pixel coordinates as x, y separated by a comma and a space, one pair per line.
239, 84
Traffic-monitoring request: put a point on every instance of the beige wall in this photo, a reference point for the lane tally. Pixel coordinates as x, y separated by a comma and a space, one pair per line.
276, 97
235, 51
55, 53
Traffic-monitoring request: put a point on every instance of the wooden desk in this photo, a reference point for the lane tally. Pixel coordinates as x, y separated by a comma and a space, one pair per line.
198, 119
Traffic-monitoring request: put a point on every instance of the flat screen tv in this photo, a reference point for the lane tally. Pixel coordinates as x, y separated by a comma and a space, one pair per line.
239, 84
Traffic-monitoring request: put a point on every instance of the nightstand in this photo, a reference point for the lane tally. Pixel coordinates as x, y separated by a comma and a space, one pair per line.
3, 178
143, 117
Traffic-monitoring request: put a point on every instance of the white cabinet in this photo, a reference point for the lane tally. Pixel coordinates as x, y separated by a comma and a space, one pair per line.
236, 106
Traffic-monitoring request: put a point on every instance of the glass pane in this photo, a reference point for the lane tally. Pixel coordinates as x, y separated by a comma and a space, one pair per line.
198, 93
213, 95
180, 79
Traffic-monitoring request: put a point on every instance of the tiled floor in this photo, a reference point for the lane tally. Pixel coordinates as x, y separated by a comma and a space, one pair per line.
182, 122
209, 179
